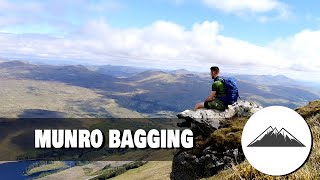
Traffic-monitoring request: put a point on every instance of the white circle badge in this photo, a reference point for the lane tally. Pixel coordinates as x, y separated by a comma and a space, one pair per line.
276, 140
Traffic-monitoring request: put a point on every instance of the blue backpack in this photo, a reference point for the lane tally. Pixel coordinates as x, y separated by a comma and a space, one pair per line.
232, 92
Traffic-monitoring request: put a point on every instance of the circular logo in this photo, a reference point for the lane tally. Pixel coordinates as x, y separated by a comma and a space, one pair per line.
276, 140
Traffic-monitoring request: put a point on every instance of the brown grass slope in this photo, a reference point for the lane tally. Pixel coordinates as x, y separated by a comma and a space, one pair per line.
22, 97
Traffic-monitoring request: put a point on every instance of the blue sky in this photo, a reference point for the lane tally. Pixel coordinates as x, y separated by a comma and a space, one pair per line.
259, 37
124, 14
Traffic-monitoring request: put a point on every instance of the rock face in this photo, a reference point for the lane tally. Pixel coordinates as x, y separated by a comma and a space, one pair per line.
208, 160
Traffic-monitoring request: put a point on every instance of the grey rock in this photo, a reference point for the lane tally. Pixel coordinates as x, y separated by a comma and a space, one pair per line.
208, 120
212, 116
185, 165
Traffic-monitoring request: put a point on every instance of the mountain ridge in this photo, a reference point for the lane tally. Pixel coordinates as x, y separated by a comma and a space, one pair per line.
154, 91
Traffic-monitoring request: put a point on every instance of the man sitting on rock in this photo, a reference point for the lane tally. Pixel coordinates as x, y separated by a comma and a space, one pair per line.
218, 90
212, 102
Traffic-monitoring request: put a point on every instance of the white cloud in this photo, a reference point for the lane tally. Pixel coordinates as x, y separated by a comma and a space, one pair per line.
302, 50
244, 5
165, 44
251, 7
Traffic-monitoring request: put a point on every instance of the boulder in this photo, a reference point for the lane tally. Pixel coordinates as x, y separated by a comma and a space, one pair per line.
206, 161
209, 119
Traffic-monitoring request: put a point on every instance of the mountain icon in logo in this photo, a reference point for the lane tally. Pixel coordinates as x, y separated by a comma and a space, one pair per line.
271, 137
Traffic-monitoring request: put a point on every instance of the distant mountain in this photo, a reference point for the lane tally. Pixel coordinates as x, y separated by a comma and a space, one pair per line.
279, 80
155, 91
117, 71
271, 137
182, 71
126, 71
268, 79
14, 63
77, 75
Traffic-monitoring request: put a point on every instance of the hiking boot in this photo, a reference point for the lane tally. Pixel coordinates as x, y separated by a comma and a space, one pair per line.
184, 124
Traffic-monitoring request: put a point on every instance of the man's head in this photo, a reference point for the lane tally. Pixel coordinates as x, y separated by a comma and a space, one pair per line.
214, 71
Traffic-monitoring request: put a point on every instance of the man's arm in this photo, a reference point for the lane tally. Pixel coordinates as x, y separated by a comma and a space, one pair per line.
211, 96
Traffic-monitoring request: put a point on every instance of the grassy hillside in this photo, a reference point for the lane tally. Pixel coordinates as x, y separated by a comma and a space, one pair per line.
154, 170
31, 98
310, 170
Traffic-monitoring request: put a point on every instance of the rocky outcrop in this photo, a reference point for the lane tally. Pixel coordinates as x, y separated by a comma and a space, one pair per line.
210, 119
217, 141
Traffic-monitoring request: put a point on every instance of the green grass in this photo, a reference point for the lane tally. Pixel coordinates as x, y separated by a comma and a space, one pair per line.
228, 136
42, 167
153, 170
109, 172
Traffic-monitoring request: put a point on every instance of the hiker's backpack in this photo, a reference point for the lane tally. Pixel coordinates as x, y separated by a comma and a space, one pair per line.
232, 92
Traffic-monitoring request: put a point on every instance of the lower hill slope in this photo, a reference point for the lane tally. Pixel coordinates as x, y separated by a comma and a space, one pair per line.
31, 98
